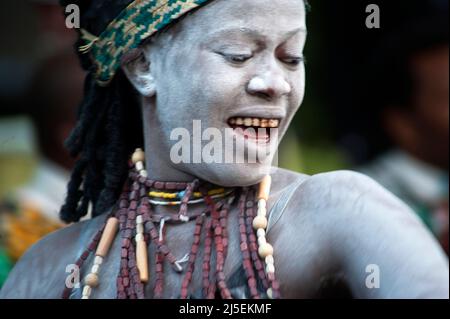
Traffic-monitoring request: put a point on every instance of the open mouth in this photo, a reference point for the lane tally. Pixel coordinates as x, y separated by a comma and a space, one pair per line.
254, 128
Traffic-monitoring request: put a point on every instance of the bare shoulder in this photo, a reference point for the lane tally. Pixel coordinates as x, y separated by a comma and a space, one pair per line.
349, 190
357, 223
337, 193
43, 267
283, 179
340, 201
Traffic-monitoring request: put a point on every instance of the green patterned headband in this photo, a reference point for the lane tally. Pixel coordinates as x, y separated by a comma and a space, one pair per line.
140, 20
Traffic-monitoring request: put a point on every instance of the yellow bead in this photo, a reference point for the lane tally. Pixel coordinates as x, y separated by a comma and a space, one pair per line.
91, 280
264, 188
260, 222
265, 250
138, 156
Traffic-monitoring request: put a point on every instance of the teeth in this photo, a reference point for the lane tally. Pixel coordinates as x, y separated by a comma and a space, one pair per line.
255, 122
273, 123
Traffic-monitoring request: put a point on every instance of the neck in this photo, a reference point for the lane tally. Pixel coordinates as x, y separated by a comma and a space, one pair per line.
157, 157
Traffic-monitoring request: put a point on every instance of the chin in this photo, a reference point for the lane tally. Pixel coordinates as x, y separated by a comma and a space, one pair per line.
233, 175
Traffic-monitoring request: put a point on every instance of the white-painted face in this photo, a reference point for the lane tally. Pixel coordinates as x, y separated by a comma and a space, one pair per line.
224, 64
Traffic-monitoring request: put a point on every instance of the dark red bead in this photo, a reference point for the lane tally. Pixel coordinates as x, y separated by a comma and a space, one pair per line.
159, 185
275, 285
246, 255
85, 255
218, 231
222, 284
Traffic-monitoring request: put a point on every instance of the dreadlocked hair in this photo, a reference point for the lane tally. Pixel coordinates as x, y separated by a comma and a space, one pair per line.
108, 128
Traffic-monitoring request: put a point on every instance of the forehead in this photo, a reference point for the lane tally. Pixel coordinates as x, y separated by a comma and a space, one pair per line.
270, 18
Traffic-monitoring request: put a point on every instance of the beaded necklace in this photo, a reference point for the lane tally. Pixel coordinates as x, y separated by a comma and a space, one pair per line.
139, 227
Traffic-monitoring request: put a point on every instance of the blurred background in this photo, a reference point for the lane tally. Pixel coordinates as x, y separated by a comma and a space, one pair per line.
377, 102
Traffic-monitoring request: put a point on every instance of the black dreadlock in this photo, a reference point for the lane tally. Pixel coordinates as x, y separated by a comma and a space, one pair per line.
109, 127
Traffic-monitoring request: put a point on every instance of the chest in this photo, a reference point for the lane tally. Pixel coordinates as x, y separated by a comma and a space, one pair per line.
179, 240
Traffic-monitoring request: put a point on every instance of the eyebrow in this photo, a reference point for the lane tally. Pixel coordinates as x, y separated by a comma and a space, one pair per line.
255, 34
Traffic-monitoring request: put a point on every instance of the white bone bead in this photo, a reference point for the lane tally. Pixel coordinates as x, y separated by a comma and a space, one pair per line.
261, 232
265, 250
139, 237
260, 222
87, 291
95, 269
91, 280
139, 166
269, 259
261, 241
98, 260
262, 203
138, 156
140, 228
262, 211
270, 268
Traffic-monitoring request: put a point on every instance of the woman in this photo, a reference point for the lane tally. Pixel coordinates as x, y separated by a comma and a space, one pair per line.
185, 226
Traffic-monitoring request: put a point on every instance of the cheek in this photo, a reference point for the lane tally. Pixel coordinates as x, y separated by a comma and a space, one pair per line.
214, 85
297, 82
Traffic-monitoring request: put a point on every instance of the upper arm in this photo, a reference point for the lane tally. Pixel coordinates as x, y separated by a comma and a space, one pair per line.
374, 234
41, 271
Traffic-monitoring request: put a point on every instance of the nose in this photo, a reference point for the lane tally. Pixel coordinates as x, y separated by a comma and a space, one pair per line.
270, 84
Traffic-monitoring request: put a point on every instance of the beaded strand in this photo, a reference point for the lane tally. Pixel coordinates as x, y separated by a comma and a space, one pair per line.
136, 222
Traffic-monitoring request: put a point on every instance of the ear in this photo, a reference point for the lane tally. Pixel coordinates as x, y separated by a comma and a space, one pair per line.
137, 68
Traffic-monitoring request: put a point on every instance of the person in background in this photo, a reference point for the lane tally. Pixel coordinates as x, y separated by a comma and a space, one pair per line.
31, 210
37, 109
409, 95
